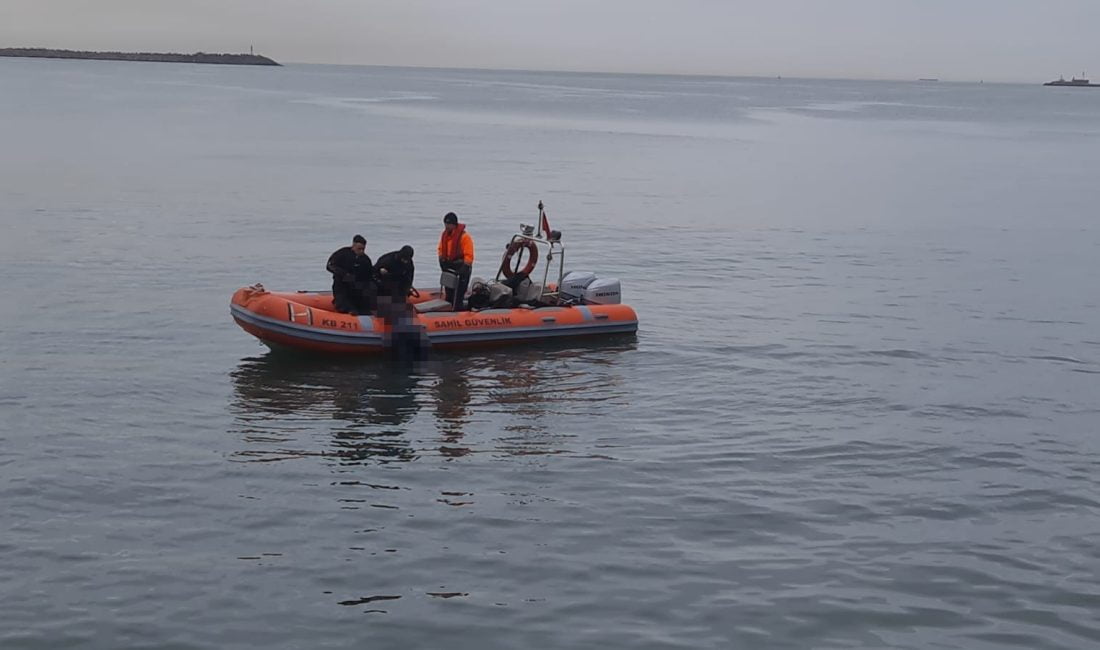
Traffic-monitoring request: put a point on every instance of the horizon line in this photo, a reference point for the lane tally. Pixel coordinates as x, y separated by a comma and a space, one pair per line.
712, 75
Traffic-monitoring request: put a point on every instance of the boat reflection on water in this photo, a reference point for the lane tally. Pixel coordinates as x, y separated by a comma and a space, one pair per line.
358, 411
283, 404
451, 395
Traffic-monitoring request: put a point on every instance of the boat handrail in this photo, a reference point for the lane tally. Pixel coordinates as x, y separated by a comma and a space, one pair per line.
554, 249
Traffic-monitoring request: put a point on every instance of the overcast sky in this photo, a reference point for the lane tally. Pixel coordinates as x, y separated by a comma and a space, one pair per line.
995, 40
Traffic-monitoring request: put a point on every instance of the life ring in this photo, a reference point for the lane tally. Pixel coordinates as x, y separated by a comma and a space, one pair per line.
515, 247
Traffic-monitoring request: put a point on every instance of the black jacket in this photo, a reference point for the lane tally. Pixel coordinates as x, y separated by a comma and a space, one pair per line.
345, 261
398, 274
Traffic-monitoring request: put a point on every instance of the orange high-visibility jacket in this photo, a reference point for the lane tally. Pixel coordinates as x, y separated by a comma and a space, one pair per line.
457, 245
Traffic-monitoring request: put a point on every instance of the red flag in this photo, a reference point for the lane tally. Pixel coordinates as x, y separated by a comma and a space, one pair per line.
545, 225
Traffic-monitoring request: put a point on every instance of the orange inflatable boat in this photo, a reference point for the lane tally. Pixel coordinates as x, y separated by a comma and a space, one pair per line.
578, 305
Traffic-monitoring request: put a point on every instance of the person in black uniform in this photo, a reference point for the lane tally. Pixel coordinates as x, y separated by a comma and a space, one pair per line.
403, 337
353, 287
394, 272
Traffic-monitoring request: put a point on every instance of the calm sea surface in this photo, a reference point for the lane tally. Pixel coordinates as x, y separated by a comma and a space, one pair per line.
862, 410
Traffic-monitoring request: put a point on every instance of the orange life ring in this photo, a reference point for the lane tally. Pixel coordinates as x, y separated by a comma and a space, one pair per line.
516, 247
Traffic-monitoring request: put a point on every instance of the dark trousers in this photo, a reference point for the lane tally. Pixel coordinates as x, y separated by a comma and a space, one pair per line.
357, 296
463, 273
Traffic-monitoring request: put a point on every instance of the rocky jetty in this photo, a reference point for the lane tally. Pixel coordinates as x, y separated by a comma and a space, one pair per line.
197, 57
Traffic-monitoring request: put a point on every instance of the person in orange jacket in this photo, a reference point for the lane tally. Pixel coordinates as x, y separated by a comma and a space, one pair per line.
456, 254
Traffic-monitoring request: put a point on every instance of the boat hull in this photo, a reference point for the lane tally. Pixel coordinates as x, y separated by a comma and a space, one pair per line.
306, 321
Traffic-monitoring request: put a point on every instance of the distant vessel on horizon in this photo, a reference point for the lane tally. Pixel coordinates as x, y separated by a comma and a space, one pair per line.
927, 79
1075, 82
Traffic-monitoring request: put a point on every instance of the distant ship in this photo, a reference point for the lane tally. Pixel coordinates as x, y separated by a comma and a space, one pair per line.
1075, 82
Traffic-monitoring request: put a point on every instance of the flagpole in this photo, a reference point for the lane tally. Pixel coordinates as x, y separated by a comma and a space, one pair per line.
544, 225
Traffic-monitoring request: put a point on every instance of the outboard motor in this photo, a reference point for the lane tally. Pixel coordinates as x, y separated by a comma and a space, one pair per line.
603, 292
574, 283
